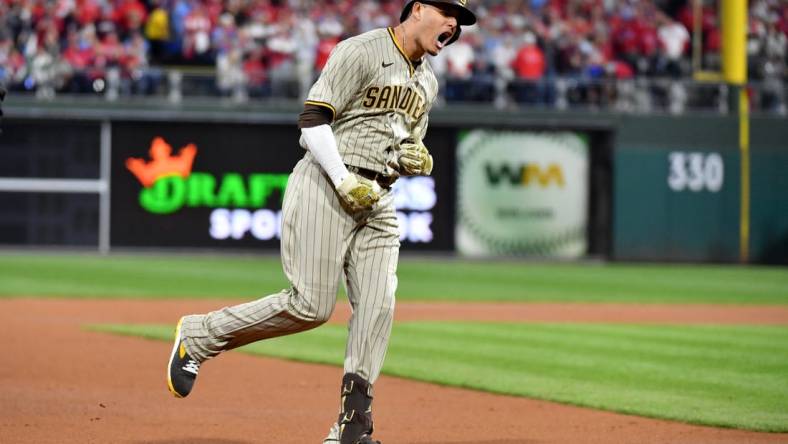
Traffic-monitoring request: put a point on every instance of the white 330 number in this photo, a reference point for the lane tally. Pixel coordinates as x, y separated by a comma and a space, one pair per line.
695, 171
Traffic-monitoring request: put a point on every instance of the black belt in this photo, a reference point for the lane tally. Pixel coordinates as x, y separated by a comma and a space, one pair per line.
382, 180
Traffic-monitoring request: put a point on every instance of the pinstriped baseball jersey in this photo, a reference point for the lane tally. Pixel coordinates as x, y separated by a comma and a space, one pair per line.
378, 98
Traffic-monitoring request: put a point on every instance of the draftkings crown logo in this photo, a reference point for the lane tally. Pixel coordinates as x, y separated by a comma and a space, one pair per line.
163, 163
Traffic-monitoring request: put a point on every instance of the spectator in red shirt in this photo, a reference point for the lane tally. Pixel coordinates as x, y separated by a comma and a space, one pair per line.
129, 16
529, 63
529, 68
712, 42
78, 55
109, 51
214, 9
324, 48
783, 20
708, 16
649, 41
329, 32
87, 11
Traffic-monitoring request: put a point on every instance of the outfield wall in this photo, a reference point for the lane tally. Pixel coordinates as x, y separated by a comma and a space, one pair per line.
535, 184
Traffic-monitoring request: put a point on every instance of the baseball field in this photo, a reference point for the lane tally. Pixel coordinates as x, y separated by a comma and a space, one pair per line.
482, 352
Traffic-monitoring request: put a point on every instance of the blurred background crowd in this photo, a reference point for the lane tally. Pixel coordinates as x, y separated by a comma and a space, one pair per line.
557, 53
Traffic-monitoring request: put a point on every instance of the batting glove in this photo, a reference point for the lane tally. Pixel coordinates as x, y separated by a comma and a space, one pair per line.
414, 159
358, 193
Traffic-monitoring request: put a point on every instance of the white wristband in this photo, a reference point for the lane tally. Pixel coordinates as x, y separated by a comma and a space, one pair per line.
321, 143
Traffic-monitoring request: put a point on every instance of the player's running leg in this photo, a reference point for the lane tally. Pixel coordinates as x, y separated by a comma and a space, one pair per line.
314, 239
371, 283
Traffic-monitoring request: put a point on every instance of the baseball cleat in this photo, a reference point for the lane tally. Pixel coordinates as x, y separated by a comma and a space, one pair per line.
363, 440
333, 437
366, 439
182, 368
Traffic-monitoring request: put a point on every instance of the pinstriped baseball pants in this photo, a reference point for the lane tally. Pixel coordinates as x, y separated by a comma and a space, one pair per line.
321, 244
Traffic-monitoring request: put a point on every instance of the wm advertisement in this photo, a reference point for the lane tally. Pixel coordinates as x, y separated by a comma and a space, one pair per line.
522, 193
187, 185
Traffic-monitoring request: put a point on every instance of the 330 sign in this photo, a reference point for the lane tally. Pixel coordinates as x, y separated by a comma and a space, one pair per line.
695, 171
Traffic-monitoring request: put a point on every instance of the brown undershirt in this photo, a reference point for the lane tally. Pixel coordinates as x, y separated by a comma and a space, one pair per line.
314, 115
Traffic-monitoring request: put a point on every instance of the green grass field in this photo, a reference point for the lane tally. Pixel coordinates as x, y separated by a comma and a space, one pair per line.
731, 376
179, 276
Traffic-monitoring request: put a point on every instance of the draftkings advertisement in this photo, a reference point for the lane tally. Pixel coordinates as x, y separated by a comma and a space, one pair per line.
222, 185
522, 193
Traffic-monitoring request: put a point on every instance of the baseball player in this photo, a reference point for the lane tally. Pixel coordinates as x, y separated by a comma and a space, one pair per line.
362, 127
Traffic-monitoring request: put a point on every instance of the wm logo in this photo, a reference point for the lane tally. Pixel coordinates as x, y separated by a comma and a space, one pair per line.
525, 175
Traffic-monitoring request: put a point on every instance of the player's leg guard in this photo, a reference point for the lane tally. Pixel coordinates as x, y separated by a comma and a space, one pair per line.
355, 419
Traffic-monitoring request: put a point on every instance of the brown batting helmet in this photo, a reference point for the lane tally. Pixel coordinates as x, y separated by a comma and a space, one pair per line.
464, 18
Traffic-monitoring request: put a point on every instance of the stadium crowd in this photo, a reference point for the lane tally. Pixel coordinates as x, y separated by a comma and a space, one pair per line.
523, 48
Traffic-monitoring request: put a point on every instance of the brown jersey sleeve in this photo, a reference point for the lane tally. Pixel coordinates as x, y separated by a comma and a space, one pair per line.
314, 115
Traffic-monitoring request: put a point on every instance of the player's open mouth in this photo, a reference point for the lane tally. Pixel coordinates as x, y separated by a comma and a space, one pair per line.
441, 41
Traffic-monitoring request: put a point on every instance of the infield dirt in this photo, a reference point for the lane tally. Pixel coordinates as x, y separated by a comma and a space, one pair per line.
63, 384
